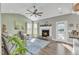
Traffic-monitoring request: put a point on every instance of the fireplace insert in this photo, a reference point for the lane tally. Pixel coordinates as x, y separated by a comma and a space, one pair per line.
45, 33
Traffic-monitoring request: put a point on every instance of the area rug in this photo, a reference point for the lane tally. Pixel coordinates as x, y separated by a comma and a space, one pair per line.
34, 45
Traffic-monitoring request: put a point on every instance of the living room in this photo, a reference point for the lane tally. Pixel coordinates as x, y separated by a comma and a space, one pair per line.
45, 29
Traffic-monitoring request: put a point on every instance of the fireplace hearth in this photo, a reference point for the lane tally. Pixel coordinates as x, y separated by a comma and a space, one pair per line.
45, 33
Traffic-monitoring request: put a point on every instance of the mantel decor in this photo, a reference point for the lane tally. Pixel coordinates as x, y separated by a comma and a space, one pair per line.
45, 25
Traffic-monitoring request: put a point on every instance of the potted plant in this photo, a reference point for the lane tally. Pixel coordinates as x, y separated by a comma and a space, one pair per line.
20, 48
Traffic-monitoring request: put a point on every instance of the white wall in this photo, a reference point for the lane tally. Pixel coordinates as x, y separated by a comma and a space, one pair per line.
9, 20
0, 33
70, 18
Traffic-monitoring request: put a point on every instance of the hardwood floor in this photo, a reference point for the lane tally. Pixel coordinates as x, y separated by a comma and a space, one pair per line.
55, 48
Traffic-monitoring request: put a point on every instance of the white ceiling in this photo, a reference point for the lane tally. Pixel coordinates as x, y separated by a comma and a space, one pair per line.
48, 9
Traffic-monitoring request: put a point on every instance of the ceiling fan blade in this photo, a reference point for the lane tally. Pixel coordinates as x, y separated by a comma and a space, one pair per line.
35, 11
40, 13
29, 11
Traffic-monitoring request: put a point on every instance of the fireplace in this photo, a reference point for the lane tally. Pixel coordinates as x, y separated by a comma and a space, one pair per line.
45, 33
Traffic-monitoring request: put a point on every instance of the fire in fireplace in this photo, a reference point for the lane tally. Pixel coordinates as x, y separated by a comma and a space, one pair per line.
45, 33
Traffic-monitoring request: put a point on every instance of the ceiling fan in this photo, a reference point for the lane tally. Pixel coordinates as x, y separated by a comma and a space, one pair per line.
35, 12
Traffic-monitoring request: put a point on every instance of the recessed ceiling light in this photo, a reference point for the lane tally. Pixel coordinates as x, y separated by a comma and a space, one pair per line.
60, 10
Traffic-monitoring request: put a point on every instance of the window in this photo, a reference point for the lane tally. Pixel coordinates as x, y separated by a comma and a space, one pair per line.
29, 28
35, 29
32, 30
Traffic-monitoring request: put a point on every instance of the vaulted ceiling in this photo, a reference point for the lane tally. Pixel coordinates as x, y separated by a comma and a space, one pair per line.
48, 9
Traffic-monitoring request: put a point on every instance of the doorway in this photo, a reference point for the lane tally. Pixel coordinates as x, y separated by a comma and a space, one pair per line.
61, 31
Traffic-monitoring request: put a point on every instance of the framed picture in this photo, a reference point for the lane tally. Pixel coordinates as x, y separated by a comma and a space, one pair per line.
18, 25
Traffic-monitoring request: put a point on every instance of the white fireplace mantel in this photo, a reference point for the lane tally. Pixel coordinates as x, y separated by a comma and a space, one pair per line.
46, 28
